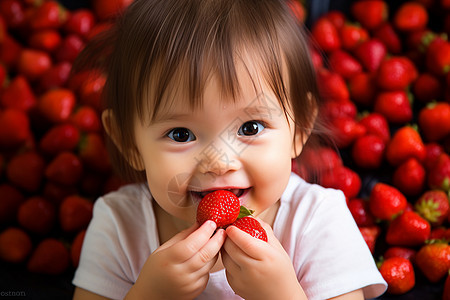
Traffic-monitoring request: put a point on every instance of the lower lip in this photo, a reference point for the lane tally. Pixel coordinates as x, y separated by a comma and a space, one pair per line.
242, 198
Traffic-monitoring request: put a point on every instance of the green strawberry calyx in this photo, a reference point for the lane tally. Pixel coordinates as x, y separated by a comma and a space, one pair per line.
244, 212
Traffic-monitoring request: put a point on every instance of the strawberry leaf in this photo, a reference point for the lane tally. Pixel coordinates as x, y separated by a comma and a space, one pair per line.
244, 212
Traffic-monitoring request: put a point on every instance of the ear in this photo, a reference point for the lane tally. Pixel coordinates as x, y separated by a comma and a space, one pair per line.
132, 156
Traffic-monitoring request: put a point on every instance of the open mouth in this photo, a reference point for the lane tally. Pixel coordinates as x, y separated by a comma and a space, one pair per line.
237, 192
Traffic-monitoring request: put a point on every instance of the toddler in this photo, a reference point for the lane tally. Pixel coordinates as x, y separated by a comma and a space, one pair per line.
205, 95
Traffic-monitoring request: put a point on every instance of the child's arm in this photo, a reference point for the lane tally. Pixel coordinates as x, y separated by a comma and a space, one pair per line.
179, 269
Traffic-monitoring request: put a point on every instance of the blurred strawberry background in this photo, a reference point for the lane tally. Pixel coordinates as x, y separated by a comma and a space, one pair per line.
383, 70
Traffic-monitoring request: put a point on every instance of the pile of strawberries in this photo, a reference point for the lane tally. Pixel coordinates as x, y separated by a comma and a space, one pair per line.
53, 160
384, 73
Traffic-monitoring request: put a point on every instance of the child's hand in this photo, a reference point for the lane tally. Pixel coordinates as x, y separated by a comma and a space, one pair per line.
179, 269
257, 269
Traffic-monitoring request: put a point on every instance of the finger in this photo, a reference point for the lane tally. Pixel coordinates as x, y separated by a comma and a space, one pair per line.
271, 238
209, 252
249, 245
229, 263
189, 246
178, 237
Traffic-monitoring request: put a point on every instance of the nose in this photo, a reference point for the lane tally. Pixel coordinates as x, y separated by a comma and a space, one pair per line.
218, 159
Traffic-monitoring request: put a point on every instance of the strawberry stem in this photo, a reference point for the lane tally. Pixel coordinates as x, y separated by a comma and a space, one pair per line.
244, 212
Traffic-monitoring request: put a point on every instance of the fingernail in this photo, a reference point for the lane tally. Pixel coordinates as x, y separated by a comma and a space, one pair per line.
211, 224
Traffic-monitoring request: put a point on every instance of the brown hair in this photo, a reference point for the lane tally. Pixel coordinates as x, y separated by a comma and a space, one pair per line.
157, 42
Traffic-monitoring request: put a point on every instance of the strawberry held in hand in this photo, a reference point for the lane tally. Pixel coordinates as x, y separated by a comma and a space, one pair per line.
252, 227
219, 206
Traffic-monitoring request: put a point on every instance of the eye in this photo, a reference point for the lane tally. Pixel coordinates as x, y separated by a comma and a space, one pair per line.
181, 135
251, 128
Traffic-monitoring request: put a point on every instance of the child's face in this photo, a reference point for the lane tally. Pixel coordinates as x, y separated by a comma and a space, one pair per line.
245, 146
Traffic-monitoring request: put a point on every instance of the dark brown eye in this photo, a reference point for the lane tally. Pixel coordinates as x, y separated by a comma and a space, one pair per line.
251, 128
181, 135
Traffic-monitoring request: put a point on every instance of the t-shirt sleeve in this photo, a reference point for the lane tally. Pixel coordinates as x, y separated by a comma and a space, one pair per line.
335, 257
103, 269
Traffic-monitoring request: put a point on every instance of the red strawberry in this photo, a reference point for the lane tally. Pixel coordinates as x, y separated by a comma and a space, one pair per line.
11, 200
26, 170
360, 211
10, 50
98, 28
439, 233
410, 177
66, 168
220, 206
399, 275
438, 176
56, 193
408, 229
62, 137
75, 249
433, 206
370, 13
433, 259
351, 35
434, 121
332, 85
362, 88
433, 151
80, 22
386, 202
396, 73
18, 94
13, 12
344, 179
33, 63
427, 87
371, 53
319, 160
14, 128
86, 119
438, 57
37, 215
368, 151
69, 49
370, 235
346, 130
298, 10
15, 245
49, 15
49, 257
108, 9
376, 124
405, 143
389, 37
410, 16
46, 40
57, 104
56, 76
395, 106
91, 90
252, 227
326, 35
75, 213
92, 151
336, 17
344, 64
404, 252
337, 108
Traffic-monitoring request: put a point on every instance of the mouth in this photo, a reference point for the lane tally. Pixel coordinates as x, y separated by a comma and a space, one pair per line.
236, 191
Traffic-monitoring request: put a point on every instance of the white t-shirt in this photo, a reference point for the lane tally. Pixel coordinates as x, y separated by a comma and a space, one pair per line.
313, 224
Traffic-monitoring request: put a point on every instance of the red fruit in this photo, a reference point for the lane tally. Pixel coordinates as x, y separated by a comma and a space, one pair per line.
433, 206
336, 17
360, 211
320, 159
404, 252
33, 63
26, 170
66, 169
37, 215
408, 229
433, 151
410, 16
62, 137
427, 88
86, 119
376, 124
434, 121
344, 64
389, 37
410, 177
439, 233
371, 53
362, 88
346, 130
337, 108
437, 57
18, 94
57, 104
69, 49
326, 35
75, 213
438, 176
370, 13
386, 202
49, 257
370, 235
15, 245
93, 153
75, 249
399, 275
396, 73
49, 15
99, 28
46, 40
14, 128
55, 77
56, 193
298, 10
12, 12
11, 200
405, 143
80, 22
252, 227
332, 85
351, 35
108, 9
368, 151
219, 206
344, 179
10, 50
433, 260
91, 90
394, 106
